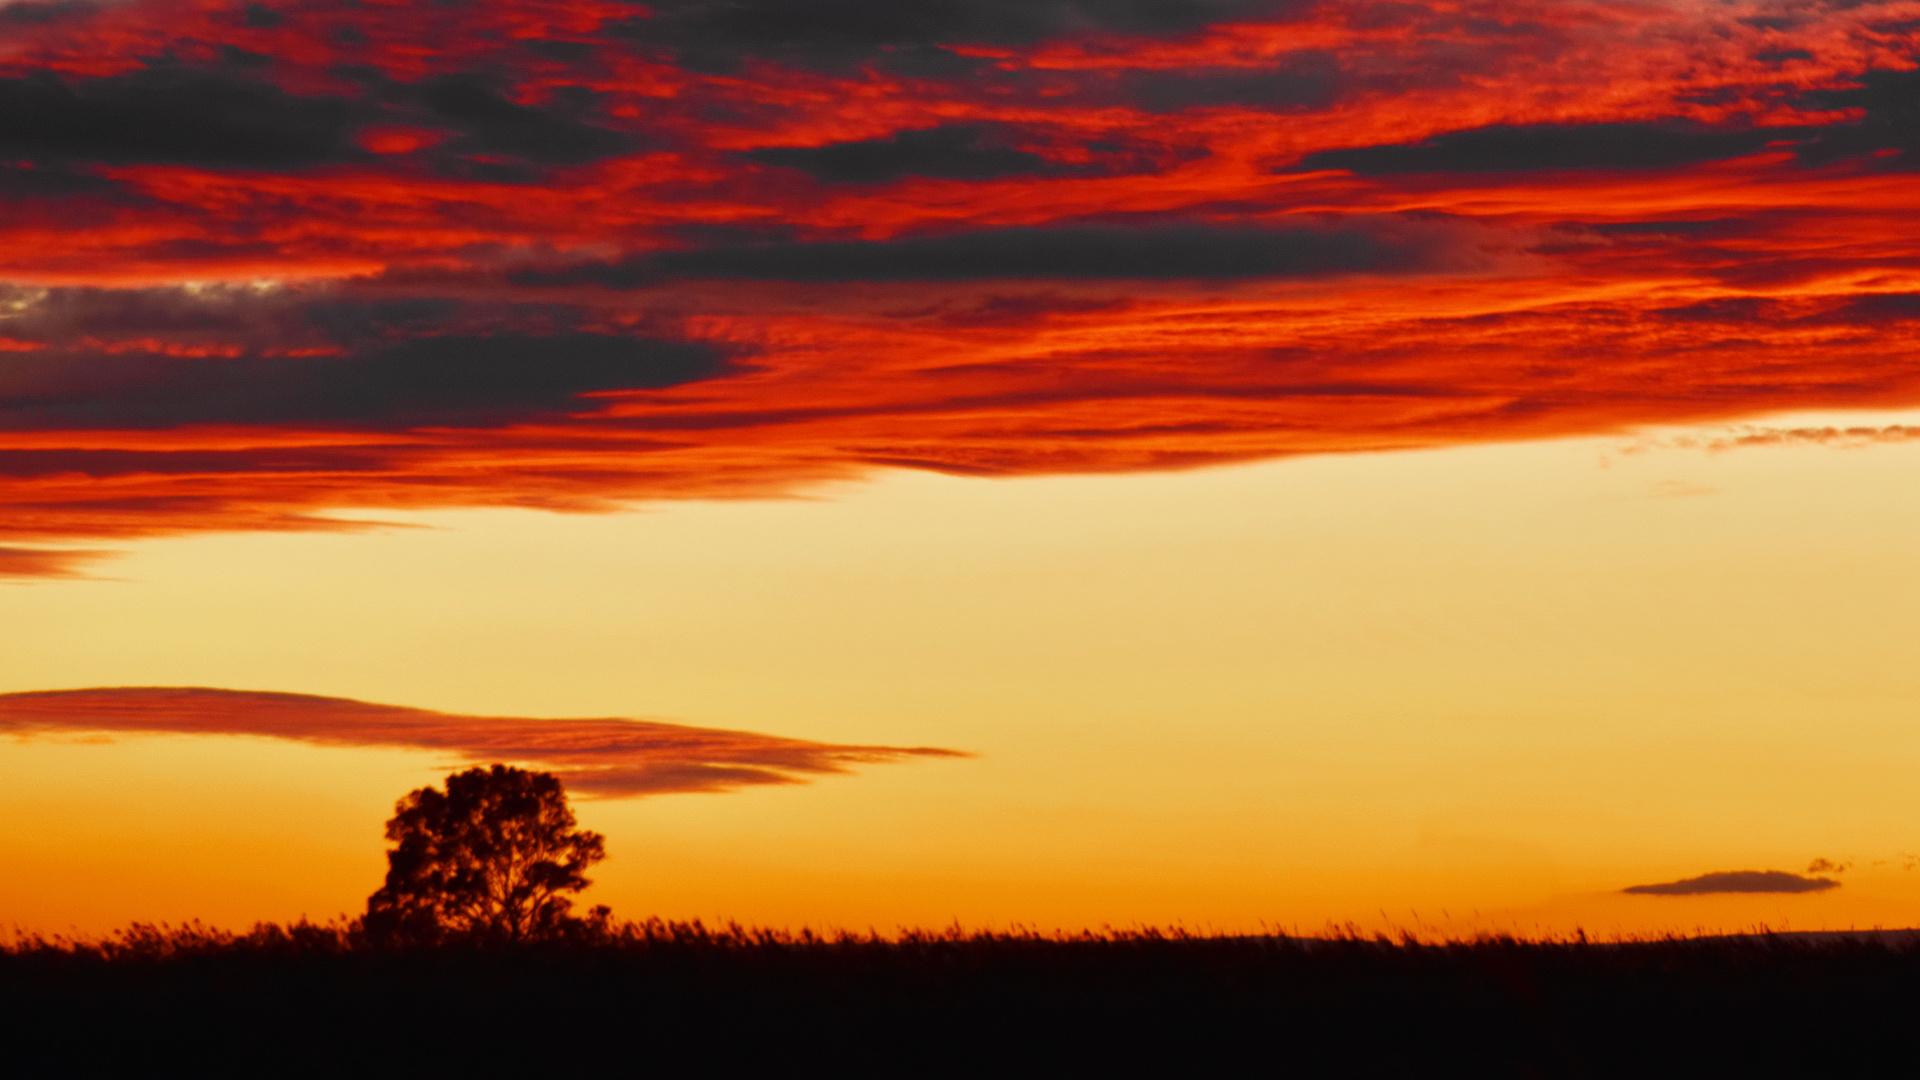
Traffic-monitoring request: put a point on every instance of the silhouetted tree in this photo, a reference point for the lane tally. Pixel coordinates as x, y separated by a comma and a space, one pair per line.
492, 859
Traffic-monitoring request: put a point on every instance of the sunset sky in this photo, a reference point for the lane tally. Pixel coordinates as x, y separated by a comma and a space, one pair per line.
1236, 463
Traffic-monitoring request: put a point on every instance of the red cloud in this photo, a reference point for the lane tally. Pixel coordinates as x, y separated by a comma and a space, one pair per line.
613, 758
575, 254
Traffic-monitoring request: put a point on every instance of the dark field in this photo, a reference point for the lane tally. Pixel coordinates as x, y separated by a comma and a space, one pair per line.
674, 1000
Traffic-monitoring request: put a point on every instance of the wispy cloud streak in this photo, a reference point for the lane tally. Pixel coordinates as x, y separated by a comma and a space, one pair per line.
612, 758
1753, 435
18, 562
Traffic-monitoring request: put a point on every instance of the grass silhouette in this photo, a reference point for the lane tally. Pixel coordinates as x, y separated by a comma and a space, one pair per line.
687, 999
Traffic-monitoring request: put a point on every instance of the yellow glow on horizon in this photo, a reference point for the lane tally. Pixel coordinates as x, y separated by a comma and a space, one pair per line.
1479, 688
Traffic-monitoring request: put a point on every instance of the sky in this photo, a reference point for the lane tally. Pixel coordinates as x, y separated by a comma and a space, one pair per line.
1236, 463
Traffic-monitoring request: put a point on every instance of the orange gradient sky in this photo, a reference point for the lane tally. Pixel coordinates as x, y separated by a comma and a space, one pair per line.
1508, 680
1230, 462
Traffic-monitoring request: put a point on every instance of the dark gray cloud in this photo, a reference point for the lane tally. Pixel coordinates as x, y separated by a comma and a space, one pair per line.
953, 152
981, 151
171, 116
715, 33
254, 318
1712, 228
1891, 100
265, 461
226, 117
1292, 82
448, 379
1868, 310
1737, 881
1554, 146
156, 358
261, 17
1876, 307
551, 134
30, 180
34, 13
1080, 251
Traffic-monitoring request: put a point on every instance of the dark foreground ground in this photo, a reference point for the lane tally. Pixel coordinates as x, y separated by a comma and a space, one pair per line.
684, 1001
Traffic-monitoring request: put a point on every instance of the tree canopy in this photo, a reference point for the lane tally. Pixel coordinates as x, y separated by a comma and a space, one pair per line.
495, 858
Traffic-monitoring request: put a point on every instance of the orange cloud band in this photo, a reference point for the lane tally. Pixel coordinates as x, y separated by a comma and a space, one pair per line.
612, 758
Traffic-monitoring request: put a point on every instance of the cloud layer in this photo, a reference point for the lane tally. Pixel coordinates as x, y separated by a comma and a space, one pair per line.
612, 758
262, 259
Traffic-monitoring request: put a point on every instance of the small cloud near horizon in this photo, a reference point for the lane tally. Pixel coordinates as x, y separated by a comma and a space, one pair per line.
1746, 436
1740, 881
607, 757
